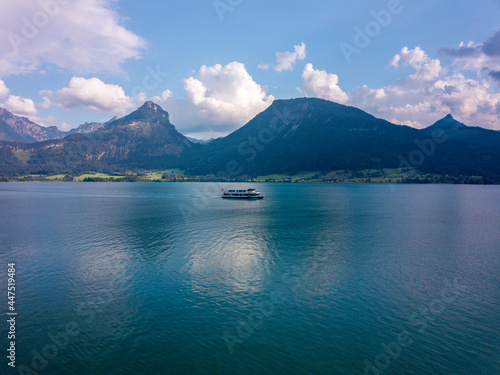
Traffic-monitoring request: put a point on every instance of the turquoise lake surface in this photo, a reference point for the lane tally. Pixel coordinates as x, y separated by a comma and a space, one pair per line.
168, 278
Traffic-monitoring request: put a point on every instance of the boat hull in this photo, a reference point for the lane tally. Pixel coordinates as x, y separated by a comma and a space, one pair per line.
246, 198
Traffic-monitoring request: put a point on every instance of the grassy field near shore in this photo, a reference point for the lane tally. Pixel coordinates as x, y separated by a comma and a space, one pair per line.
385, 175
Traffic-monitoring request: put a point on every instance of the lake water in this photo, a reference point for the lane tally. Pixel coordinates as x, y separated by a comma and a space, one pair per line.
167, 278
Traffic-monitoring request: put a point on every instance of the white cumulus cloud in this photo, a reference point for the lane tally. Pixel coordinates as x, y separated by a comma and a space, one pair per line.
479, 57
429, 93
4, 90
322, 84
286, 60
416, 58
165, 95
93, 94
221, 98
20, 106
84, 36
418, 99
412, 57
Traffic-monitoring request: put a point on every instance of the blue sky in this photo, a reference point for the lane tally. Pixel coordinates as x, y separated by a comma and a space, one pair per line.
215, 64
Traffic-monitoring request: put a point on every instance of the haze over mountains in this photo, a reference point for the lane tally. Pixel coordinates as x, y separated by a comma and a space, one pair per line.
20, 129
304, 134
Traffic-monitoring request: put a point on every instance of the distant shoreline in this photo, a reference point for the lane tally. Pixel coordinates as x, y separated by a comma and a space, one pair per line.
344, 176
259, 182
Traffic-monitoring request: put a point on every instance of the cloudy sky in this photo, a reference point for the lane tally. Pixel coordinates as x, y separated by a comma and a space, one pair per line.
215, 64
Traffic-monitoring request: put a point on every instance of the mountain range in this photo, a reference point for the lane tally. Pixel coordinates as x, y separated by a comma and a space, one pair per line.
304, 134
20, 129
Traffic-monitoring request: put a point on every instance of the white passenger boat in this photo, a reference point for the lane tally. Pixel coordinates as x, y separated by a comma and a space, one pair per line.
242, 194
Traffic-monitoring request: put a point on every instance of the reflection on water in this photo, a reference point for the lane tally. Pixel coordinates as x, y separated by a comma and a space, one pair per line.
153, 291
232, 262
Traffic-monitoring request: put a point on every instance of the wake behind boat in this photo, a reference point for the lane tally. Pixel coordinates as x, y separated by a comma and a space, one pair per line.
242, 194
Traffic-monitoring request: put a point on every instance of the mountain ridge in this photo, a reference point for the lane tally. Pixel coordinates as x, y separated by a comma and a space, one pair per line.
302, 134
89, 127
144, 138
21, 129
447, 122
298, 125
